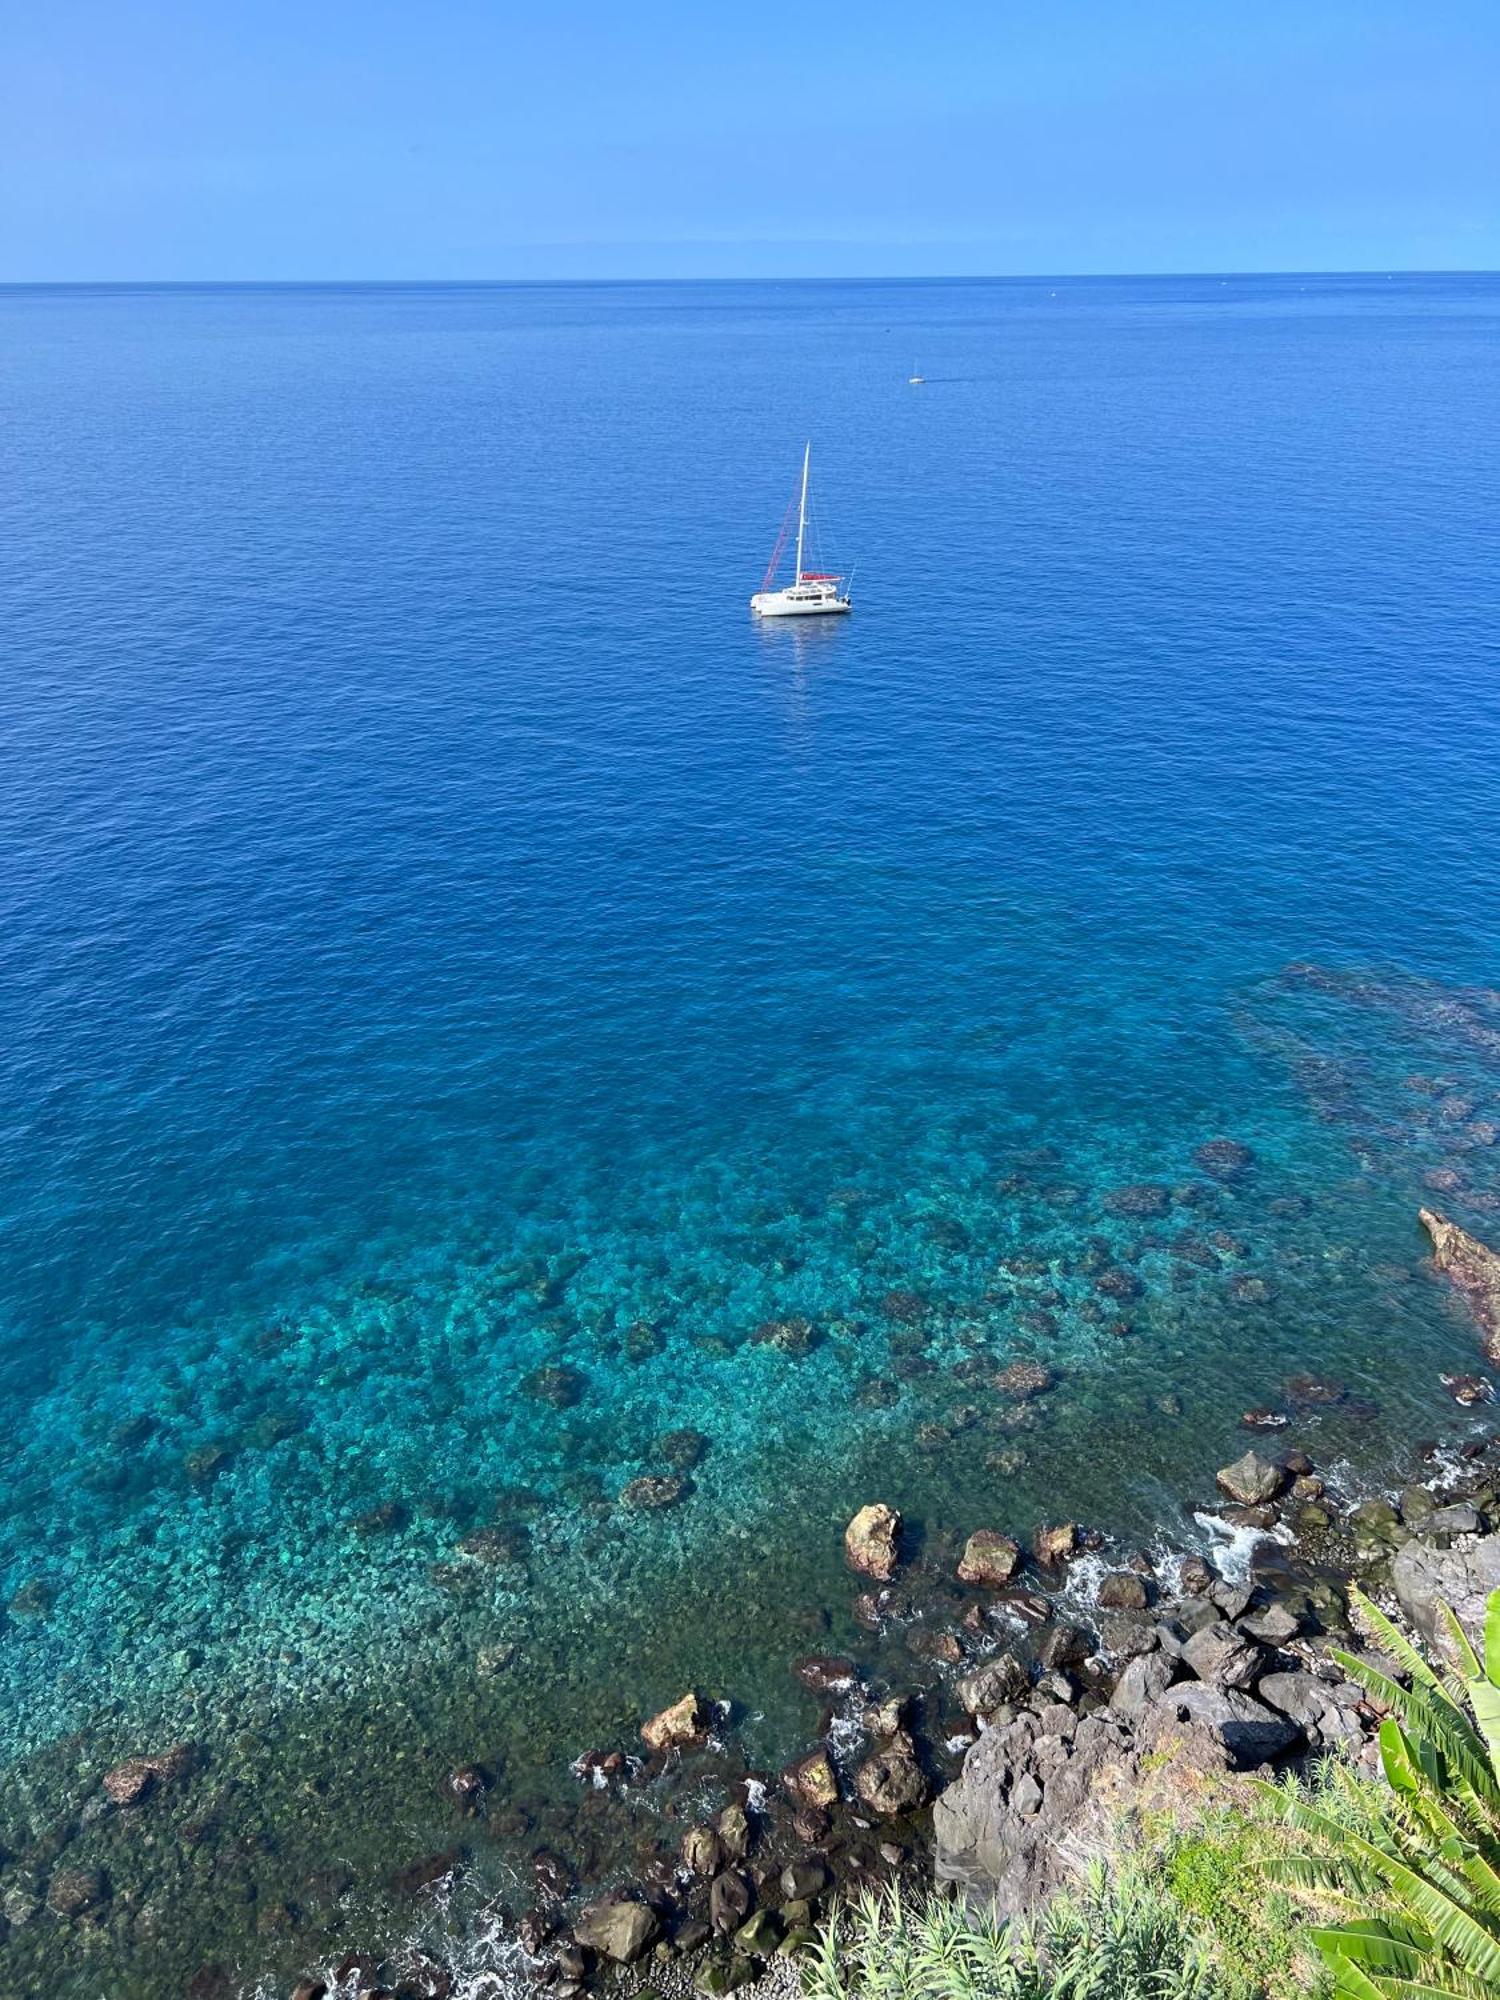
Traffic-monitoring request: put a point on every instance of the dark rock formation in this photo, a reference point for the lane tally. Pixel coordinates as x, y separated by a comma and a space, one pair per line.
1225, 1159
1423, 1578
1473, 1269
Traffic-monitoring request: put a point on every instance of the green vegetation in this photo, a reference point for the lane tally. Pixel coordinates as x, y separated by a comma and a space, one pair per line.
1120, 1936
1413, 1865
1212, 1870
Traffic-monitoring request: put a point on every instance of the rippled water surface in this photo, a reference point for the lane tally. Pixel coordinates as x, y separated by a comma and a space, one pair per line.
474, 1004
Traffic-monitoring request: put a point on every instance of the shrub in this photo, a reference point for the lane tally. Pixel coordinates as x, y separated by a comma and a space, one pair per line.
1213, 1872
1413, 1865
1119, 1936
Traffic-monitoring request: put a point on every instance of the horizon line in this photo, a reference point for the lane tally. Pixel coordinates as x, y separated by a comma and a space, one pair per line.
749, 278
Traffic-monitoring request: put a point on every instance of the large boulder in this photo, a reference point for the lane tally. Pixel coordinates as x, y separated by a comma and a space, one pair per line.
1242, 1730
871, 1541
1222, 1655
892, 1782
617, 1930
686, 1721
1325, 1711
1473, 1269
1005, 1830
989, 1558
1144, 1678
1424, 1577
1252, 1480
997, 1682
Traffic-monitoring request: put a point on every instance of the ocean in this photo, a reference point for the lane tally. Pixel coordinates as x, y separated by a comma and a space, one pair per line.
486, 1021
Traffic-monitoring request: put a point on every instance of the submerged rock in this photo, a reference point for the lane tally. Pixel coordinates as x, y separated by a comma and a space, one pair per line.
1225, 1159
76, 1892
1143, 1199
653, 1491
1473, 1269
128, 1783
871, 1541
681, 1449
1024, 1379
797, 1336
557, 1384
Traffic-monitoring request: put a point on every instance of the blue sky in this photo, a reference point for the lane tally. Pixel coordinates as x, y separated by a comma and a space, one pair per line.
154, 139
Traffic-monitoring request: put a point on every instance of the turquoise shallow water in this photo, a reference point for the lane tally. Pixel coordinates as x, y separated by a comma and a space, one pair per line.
447, 940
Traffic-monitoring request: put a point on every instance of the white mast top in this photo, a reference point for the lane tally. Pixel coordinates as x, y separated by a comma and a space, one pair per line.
802, 510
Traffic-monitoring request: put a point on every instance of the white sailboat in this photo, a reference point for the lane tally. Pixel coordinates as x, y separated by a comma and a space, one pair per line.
915, 379
812, 591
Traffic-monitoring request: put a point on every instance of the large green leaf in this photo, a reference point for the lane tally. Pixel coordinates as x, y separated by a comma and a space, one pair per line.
1392, 1640
1352, 1982
1369, 1942
1491, 1637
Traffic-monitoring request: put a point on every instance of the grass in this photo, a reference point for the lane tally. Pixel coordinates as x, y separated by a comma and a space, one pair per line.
1179, 1911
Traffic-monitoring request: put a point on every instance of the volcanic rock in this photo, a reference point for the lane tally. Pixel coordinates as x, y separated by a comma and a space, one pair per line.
617, 1930
989, 1558
998, 1682
811, 1779
1473, 1269
702, 1850
729, 1900
686, 1721
733, 1826
1242, 1728
1123, 1590
892, 1782
870, 1541
1424, 1578
1055, 1545
826, 1673
1222, 1655
803, 1881
1252, 1480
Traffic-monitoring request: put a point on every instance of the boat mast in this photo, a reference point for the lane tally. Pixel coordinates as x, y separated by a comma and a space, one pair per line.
802, 512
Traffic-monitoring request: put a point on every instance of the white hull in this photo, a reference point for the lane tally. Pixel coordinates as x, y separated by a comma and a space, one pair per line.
797, 604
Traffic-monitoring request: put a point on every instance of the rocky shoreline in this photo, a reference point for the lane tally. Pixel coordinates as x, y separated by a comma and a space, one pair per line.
1007, 1704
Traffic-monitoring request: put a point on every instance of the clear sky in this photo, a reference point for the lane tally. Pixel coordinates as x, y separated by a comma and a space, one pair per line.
182, 139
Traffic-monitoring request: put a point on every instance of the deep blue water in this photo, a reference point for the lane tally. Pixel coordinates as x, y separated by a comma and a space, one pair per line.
442, 932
